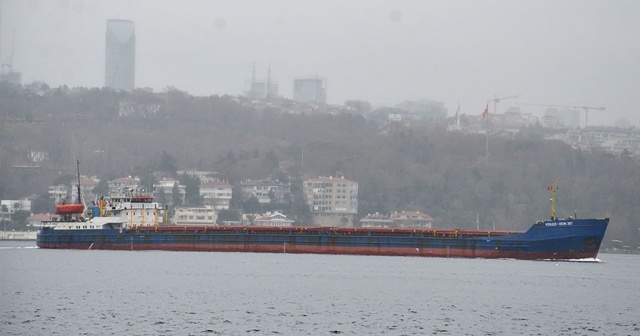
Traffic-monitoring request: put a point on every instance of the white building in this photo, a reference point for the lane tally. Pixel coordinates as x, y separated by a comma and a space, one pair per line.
123, 185
272, 219
16, 205
265, 191
333, 201
59, 193
217, 194
310, 89
195, 216
166, 188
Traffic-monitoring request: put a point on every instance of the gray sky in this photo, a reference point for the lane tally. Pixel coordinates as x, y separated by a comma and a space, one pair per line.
553, 52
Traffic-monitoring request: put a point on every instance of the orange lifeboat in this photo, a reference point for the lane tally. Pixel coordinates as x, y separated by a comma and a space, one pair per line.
65, 209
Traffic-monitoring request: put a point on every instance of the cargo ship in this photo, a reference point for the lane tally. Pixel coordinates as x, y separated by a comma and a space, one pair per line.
121, 226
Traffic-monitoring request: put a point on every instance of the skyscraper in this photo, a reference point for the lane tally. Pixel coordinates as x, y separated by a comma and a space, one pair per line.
120, 55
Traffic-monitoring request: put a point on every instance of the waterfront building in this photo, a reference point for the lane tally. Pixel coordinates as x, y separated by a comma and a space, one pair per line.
206, 215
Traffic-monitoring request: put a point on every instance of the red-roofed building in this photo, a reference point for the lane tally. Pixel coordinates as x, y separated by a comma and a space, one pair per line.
36, 220
272, 219
411, 219
376, 220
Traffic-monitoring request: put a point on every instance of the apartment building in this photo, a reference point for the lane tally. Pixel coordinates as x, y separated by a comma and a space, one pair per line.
217, 194
333, 201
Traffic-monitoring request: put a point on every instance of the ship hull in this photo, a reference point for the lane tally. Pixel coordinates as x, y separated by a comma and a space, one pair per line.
554, 240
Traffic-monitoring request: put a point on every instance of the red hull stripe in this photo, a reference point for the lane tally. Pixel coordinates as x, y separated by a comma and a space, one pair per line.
355, 250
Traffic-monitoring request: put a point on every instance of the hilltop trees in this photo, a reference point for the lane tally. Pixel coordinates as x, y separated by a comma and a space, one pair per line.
444, 174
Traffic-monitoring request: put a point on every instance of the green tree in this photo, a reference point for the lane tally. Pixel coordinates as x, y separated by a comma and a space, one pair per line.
175, 195
228, 216
19, 219
192, 189
102, 188
271, 161
42, 204
252, 205
168, 163
161, 196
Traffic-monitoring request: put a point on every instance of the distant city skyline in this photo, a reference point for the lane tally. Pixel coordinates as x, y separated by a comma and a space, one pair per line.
572, 53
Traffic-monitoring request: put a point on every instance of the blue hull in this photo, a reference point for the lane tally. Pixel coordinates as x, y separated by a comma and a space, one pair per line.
556, 240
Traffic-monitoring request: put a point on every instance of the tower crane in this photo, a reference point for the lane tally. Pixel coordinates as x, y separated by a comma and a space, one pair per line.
497, 99
585, 107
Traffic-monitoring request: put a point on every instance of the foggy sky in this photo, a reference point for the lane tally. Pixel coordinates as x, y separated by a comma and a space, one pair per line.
385, 52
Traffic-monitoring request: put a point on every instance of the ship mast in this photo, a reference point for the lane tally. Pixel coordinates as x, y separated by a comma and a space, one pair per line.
79, 192
554, 200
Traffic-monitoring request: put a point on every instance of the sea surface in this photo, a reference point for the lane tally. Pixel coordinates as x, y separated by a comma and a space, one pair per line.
69, 292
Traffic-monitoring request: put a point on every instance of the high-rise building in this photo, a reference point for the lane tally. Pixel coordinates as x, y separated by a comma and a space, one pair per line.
120, 55
310, 89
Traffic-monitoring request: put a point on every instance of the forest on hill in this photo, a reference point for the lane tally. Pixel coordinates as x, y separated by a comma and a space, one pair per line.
430, 169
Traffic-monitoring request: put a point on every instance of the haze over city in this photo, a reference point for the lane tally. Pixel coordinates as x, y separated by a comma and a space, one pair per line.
385, 52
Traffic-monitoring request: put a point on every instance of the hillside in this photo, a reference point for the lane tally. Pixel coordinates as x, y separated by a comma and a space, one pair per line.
428, 169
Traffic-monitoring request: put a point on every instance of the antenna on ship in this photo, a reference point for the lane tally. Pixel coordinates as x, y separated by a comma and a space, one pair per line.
554, 200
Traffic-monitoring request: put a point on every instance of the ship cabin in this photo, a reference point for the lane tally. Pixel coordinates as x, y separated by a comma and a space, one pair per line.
96, 223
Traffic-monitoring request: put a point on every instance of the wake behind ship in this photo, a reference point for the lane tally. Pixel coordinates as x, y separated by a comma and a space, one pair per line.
132, 223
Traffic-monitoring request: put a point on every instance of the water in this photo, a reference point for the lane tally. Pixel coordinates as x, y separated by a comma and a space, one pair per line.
64, 292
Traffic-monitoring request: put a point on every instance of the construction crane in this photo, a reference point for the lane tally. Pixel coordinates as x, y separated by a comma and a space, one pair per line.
586, 109
496, 100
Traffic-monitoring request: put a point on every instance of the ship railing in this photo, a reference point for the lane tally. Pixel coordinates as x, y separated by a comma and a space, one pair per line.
326, 231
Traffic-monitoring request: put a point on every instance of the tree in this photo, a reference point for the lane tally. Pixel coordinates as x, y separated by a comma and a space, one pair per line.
175, 195
102, 188
42, 204
192, 189
168, 163
359, 106
271, 161
251, 205
228, 216
19, 219
161, 196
